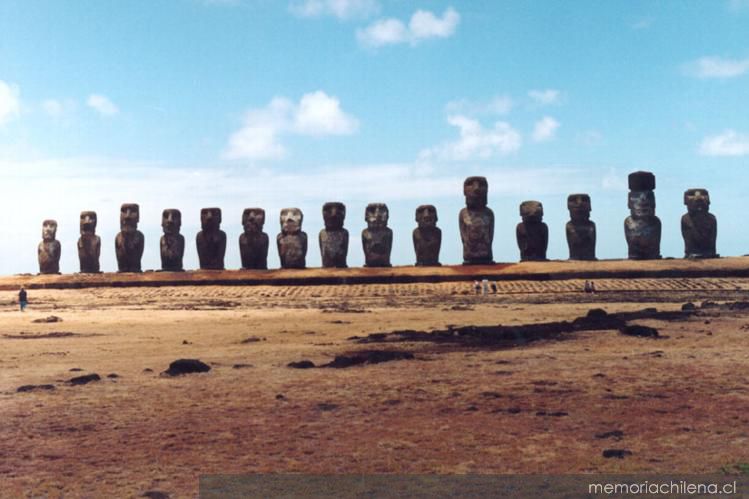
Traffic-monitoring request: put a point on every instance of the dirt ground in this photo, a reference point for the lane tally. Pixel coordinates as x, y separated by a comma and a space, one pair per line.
678, 403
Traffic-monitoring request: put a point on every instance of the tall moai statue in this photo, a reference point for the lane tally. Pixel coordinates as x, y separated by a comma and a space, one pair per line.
427, 237
334, 238
476, 222
377, 238
292, 241
49, 250
698, 226
211, 240
129, 242
532, 233
642, 228
253, 242
89, 244
172, 243
581, 231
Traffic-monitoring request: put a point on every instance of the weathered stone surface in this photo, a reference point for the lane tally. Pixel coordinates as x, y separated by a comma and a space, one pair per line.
172, 243
699, 227
581, 232
129, 243
476, 222
532, 233
48, 251
89, 244
211, 240
427, 237
253, 242
334, 238
642, 228
292, 241
377, 238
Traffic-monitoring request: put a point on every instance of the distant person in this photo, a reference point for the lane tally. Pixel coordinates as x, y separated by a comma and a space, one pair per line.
589, 287
22, 299
477, 287
494, 287
485, 286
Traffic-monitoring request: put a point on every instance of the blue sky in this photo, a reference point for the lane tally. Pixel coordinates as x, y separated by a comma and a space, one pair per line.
239, 103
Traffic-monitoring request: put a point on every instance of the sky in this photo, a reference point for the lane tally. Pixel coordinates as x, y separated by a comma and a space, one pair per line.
242, 103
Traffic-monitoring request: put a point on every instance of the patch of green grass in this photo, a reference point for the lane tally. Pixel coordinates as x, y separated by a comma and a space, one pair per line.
735, 469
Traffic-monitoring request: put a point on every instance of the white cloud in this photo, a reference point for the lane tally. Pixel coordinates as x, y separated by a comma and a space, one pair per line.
316, 114
613, 181
545, 129
102, 105
717, 67
728, 143
422, 26
475, 142
341, 9
10, 102
500, 104
643, 23
57, 108
545, 97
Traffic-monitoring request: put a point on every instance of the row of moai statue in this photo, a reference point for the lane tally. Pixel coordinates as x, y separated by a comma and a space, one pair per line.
642, 230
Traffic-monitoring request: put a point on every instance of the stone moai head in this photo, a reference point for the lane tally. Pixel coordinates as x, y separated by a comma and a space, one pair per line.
697, 200
129, 216
531, 211
171, 221
376, 215
641, 198
579, 207
253, 219
49, 230
291, 220
334, 214
88, 222
210, 219
475, 190
426, 216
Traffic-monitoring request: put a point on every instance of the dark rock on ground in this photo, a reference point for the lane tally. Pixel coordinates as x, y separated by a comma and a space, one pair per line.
368, 357
155, 494
252, 339
33, 388
616, 434
113, 375
638, 330
75, 369
186, 366
302, 364
325, 406
617, 453
241, 366
688, 307
51, 318
147, 370
85, 379
596, 313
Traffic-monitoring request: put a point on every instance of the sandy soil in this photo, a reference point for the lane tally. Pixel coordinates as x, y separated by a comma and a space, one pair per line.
680, 401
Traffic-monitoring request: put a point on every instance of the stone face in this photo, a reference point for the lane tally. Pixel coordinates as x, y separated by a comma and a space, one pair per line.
89, 244
581, 232
642, 228
48, 251
377, 238
172, 243
129, 243
292, 241
532, 233
253, 242
427, 237
211, 240
334, 238
476, 222
699, 227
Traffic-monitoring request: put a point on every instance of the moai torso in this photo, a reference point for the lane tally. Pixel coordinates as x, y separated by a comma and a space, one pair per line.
292, 241
89, 244
427, 237
581, 232
377, 238
253, 242
699, 227
532, 233
172, 243
476, 223
333, 238
129, 243
211, 240
49, 250
642, 228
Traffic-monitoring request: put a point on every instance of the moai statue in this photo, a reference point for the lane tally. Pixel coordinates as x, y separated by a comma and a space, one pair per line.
253, 242
476, 223
292, 241
427, 237
172, 243
642, 228
49, 249
698, 227
89, 244
532, 233
211, 240
581, 232
334, 238
129, 243
377, 238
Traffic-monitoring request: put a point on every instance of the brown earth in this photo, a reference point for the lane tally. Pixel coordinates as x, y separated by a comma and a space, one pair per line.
679, 403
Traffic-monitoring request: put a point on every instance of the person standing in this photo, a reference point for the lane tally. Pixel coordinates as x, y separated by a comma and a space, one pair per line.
22, 299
